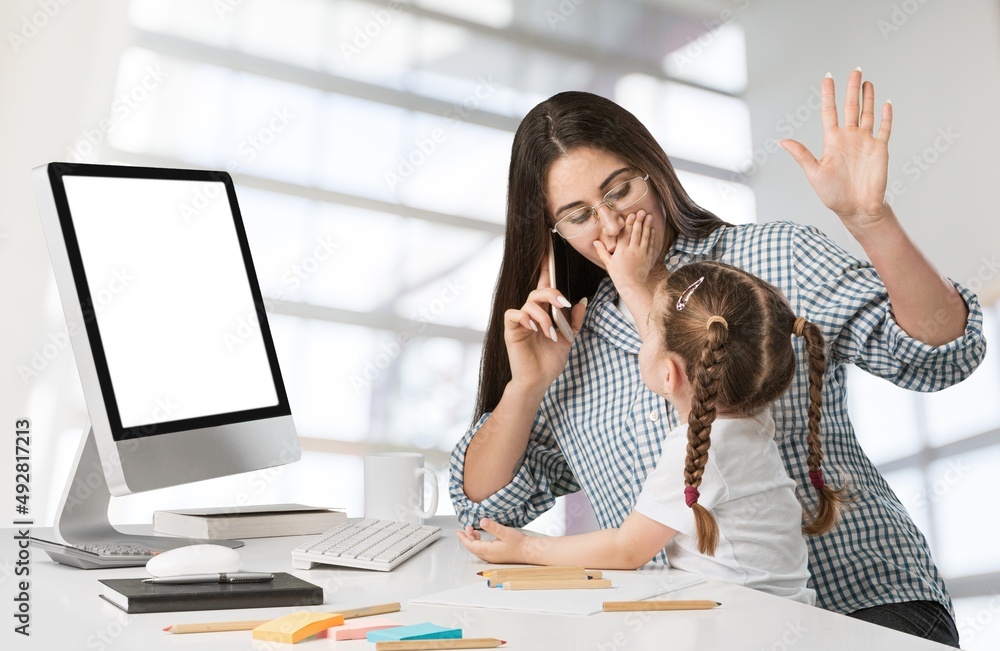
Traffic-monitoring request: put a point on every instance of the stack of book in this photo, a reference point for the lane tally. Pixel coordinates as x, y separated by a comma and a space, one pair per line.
247, 522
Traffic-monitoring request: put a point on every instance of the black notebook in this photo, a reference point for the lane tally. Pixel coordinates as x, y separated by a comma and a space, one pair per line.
134, 596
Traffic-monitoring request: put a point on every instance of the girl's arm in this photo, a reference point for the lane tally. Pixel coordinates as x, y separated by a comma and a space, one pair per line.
631, 264
628, 547
850, 179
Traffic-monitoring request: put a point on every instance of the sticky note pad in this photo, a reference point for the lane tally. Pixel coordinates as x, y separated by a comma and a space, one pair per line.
296, 626
357, 629
425, 631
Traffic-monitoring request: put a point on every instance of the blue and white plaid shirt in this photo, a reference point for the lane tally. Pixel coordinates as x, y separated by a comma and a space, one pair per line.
600, 429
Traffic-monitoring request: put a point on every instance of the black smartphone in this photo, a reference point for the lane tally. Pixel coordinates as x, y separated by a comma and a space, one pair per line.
557, 312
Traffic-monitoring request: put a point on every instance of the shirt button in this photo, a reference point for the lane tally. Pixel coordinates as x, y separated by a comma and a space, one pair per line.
654, 415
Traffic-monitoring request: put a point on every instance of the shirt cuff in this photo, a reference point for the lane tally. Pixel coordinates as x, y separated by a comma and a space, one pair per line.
965, 352
514, 505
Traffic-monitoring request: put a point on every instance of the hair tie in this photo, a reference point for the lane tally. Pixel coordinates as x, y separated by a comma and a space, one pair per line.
816, 477
686, 294
691, 495
799, 326
715, 318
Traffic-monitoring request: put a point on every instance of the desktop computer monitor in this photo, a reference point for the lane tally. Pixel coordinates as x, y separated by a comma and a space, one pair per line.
157, 285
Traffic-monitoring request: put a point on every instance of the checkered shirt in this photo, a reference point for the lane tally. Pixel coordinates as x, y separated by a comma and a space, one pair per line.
600, 429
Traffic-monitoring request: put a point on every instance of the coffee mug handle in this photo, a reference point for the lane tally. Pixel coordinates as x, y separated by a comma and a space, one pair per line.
432, 502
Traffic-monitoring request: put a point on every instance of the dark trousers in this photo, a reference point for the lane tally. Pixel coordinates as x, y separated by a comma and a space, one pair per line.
927, 619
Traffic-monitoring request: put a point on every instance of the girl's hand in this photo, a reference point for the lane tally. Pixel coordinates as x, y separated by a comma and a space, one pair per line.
633, 258
507, 548
537, 352
850, 177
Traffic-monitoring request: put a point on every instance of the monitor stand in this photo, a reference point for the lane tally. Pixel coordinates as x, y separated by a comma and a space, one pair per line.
82, 516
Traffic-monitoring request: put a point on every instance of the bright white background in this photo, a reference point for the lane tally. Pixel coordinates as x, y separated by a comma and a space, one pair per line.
377, 252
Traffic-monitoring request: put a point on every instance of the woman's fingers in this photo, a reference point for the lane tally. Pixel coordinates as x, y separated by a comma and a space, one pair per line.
828, 110
851, 107
802, 156
867, 107
885, 128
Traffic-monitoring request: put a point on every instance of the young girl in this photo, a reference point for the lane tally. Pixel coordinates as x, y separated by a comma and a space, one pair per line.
719, 348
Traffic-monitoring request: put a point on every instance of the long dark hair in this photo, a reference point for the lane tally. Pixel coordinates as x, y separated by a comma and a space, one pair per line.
549, 131
734, 336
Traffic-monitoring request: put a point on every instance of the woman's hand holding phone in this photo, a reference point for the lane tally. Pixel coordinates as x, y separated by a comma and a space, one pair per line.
537, 352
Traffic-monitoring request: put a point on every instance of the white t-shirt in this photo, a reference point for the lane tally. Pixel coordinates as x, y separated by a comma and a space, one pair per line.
746, 488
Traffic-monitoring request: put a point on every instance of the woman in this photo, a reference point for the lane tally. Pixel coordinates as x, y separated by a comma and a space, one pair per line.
554, 418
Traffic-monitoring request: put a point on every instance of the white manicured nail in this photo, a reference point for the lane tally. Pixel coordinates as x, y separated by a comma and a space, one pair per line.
829, 76
858, 68
552, 334
562, 301
533, 326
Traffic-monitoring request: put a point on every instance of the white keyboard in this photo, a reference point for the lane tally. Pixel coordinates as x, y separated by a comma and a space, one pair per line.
368, 544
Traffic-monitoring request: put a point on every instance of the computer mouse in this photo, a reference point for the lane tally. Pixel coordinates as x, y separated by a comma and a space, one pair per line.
195, 559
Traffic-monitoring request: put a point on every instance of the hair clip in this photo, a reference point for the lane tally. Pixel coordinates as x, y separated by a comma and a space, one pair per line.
686, 296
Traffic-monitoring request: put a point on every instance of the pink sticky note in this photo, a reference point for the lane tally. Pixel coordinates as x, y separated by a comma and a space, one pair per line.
357, 629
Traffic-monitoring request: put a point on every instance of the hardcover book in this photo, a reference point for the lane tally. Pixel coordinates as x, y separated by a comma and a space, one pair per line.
134, 596
247, 522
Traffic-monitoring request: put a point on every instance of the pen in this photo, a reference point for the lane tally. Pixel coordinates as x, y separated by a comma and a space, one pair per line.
428, 645
249, 625
622, 606
231, 577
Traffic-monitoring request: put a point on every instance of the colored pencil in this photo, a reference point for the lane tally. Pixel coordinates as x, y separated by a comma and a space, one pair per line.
622, 606
249, 625
585, 584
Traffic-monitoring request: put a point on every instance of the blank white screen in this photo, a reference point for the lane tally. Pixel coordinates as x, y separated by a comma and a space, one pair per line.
172, 298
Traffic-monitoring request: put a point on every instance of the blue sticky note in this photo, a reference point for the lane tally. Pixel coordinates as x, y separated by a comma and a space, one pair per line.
425, 631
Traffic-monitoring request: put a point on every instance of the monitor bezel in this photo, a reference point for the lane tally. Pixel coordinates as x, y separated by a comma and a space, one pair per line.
56, 173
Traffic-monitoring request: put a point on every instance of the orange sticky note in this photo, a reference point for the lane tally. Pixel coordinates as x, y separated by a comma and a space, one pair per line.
296, 627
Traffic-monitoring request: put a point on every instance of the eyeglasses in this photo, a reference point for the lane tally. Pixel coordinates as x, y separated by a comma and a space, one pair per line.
583, 220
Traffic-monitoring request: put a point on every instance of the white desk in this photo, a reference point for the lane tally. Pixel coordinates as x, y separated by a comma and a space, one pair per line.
66, 612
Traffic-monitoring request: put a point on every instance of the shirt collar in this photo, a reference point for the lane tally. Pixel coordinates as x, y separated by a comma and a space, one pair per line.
694, 245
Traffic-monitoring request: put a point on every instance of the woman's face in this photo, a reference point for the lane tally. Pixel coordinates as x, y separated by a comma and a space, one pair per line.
580, 179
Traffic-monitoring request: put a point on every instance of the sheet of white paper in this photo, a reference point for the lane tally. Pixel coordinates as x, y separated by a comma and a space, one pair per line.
626, 586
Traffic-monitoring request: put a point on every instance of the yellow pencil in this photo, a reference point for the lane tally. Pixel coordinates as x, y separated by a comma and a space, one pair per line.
585, 584
530, 570
621, 606
560, 576
429, 645
249, 625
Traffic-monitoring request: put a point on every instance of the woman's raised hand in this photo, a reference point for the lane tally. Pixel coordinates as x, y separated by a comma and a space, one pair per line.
850, 177
537, 350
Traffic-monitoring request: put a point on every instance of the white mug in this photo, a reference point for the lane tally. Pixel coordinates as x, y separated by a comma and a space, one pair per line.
394, 487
